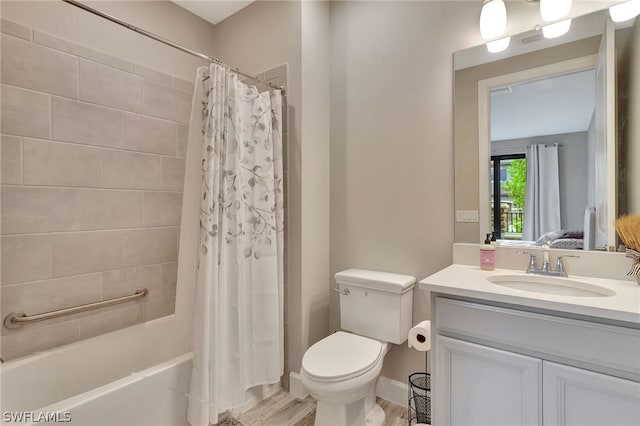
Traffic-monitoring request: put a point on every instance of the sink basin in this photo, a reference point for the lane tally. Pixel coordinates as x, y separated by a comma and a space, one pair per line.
551, 285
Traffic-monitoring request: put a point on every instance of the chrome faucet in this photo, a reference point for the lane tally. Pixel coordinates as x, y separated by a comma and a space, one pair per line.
546, 270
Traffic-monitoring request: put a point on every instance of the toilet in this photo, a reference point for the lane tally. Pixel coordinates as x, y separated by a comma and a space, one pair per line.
341, 370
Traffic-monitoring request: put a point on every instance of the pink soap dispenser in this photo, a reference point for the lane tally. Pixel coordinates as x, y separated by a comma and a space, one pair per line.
487, 255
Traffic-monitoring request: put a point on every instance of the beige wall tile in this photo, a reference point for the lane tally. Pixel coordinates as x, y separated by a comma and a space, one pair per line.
27, 210
28, 65
150, 246
148, 134
131, 170
159, 309
153, 74
169, 279
24, 113
52, 163
107, 209
11, 159
173, 174
181, 84
10, 300
109, 86
25, 258
82, 51
123, 282
74, 121
183, 139
82, 252
166, 102
49, 295
162, 208
38, 339
113, 319
16, 30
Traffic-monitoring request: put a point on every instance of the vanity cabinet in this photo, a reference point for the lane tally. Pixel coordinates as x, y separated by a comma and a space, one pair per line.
574, 396
479, 385
497, 365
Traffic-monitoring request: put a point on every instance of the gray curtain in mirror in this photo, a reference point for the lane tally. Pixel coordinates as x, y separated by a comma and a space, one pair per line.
542, 196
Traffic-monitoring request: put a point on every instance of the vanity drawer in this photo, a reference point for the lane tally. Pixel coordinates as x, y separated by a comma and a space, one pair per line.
546, 336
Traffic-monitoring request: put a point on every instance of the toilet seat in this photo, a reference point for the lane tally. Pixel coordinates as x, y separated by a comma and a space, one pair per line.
342, 356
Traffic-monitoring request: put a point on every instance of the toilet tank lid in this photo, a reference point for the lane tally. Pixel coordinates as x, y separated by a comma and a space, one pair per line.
384, 281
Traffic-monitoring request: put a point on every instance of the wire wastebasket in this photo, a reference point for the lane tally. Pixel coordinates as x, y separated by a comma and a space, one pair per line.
419, 404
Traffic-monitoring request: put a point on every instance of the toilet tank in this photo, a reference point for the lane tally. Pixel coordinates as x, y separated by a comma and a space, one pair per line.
376, 304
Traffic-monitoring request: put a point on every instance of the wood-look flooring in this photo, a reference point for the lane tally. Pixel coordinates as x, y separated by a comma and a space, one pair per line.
283, 409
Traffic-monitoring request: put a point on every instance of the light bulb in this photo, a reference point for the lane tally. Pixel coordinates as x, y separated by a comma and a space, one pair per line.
493, 19
556, 30
625, 11
552, 10
498, 45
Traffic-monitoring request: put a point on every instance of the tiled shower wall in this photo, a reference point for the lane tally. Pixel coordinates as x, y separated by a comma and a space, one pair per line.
92, 173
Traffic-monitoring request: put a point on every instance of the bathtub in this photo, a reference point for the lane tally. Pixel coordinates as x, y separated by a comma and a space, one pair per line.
129, 377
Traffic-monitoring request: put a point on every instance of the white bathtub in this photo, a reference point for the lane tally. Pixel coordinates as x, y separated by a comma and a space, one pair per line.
129, 377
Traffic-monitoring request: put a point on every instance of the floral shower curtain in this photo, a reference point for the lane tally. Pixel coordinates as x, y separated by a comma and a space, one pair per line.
238, 314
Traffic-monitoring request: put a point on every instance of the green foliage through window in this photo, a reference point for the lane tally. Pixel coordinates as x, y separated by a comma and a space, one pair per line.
516, 182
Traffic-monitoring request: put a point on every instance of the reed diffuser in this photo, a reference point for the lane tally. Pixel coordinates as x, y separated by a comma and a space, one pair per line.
628, 228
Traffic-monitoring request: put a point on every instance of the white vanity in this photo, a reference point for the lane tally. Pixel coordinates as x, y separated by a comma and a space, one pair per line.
502, 355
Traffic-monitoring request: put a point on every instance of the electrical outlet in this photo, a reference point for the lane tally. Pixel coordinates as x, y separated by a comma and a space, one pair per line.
467, 216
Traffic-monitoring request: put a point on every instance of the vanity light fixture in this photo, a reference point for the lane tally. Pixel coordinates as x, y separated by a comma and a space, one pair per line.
552, 10
498, 45
556, 29
625, 11
493, 19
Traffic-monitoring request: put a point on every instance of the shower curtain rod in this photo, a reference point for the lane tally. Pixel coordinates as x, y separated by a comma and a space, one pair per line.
167, 42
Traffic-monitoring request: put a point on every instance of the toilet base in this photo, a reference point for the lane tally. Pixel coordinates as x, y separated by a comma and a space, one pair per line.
376, 416
363, 412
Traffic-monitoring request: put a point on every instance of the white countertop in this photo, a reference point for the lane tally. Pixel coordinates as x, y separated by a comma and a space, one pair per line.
471, 281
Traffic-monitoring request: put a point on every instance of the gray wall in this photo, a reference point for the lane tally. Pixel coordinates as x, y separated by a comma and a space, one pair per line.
93, 149
391, 143
572, 163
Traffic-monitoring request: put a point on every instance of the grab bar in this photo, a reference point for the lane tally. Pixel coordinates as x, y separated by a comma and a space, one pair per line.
18, 319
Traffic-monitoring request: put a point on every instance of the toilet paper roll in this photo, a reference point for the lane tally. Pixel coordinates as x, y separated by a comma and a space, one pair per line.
420, 336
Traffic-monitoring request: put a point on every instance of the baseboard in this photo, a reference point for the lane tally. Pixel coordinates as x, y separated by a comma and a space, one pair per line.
296, 388
392, 390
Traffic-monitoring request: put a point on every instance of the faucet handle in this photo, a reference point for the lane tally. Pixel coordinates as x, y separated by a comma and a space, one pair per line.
533, 265
560, 264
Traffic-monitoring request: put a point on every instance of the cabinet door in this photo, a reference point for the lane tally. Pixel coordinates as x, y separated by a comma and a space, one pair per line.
577, 397
477, 385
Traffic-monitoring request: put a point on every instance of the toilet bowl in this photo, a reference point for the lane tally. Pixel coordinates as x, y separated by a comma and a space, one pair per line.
341, 372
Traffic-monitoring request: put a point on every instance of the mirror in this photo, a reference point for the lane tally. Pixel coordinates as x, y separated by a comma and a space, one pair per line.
547, 135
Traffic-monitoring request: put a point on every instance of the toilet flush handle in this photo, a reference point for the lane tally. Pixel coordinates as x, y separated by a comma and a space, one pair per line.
344, 292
